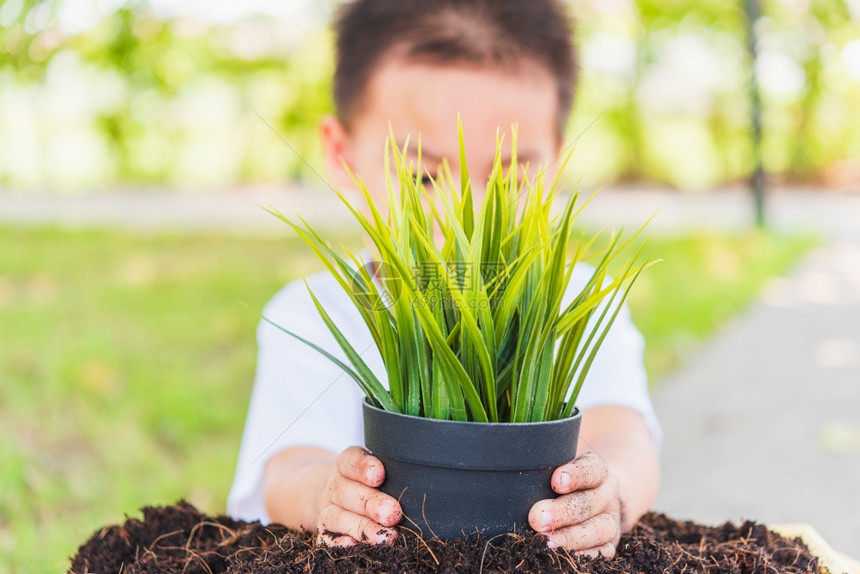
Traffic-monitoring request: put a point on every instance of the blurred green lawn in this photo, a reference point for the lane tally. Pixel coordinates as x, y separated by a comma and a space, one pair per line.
127, 360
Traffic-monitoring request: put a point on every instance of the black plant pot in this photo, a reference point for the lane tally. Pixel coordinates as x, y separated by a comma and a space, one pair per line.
455, 477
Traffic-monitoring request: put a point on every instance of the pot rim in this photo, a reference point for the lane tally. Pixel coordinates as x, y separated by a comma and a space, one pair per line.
575, 414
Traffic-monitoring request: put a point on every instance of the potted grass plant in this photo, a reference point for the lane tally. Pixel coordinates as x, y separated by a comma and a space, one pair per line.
484, 349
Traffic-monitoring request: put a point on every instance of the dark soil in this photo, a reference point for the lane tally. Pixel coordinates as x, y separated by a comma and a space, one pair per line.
179, 539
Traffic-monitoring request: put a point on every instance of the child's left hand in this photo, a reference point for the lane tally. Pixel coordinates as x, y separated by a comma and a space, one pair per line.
586, 518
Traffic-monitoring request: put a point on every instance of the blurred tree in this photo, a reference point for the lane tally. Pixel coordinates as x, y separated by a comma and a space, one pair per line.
137, 96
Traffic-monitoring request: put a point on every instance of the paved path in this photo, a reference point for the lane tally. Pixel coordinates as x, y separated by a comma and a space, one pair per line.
240, 211
764, 422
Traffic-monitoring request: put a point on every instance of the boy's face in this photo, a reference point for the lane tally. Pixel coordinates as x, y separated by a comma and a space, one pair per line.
425, 100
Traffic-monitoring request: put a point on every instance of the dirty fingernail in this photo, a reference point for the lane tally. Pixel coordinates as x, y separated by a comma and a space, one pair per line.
370, 474
564, 479
386, 509
546, 519
382, 537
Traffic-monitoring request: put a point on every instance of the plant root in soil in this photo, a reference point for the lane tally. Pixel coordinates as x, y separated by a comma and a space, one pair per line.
179, 539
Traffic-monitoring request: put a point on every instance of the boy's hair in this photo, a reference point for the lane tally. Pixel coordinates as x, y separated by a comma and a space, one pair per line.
477, 32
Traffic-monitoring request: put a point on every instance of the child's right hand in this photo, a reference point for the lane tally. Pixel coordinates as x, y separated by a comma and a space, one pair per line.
351, 508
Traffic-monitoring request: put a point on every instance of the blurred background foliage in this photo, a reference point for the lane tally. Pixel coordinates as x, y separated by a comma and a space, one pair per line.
112, 93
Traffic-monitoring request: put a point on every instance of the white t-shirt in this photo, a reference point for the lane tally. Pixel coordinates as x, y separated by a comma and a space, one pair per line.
300, 398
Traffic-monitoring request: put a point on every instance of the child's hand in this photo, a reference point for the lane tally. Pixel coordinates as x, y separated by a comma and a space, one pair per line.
350, 506
586, 518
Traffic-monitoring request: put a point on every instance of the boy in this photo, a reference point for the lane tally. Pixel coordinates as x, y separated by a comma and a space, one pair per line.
415, 65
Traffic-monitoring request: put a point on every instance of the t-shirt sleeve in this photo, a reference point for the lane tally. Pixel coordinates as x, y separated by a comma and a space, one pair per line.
617, 376
300, 398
